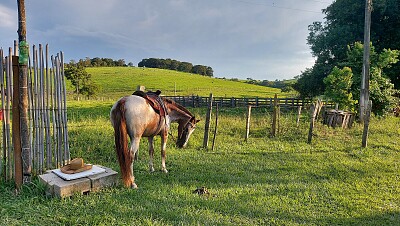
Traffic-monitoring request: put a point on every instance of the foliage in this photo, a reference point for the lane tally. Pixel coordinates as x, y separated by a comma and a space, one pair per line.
381, 89
338, 87
265, 181
176, 65
344, 25
99, 62
81, 80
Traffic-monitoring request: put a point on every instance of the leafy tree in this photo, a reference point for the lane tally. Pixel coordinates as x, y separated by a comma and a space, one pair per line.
199, 69
381, 89
344, 25
338, 87
81, 80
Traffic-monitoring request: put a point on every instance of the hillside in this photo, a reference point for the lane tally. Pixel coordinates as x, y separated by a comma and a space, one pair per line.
119, 81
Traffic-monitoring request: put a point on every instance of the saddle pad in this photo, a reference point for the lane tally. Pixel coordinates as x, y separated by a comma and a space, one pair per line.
95, 170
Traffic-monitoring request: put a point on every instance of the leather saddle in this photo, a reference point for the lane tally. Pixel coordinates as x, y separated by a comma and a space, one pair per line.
155, 101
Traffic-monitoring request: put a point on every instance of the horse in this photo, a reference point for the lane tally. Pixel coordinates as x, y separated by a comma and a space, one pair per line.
134, 116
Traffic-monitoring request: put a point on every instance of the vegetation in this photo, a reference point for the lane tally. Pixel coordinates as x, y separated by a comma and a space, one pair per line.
338, 88
266, 181
100, 62
177, 66
81, 80
121, 81
344, 26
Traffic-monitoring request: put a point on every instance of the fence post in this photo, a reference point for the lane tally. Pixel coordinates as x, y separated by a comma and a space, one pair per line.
207, 126
216, 127
298, 115
18, 176
366, 124
248, 123
275, 116
314, 112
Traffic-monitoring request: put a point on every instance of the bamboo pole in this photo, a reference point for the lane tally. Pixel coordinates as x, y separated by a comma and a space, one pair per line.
7, 117
64, 106
35, 109
58, 113
4, 146
215, 128
30, 112
41, 110
53, 111
49, 157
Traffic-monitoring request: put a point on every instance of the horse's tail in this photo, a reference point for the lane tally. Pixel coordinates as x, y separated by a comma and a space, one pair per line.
121, 142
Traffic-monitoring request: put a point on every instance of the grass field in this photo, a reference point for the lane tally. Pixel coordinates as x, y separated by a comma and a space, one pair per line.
120, 81
266, 181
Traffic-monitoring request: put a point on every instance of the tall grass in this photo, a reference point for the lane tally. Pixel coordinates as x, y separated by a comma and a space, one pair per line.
265, 181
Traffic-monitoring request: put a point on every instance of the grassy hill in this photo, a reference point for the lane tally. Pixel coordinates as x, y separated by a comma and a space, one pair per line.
119, 81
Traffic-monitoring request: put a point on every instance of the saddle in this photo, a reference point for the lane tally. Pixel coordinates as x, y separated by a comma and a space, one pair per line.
156, 102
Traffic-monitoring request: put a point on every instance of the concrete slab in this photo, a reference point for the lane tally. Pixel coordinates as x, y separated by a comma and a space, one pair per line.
107, 179
56, 186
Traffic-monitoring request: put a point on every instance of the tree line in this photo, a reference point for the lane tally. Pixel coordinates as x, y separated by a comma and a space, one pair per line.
100, 62
177, 66
337, 45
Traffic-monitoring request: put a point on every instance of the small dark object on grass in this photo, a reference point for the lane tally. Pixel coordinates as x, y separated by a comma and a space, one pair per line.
201, 191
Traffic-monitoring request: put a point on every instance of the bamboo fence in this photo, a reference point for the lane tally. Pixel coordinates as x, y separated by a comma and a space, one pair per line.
47, 110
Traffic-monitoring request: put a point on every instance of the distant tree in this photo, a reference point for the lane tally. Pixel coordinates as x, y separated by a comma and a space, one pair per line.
210, 72
199, 69
185, 67
81, 80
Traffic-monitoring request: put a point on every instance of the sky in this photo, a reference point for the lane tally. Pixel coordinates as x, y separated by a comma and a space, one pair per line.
258, 39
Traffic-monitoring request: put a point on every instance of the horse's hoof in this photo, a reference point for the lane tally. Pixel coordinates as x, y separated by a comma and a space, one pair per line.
134, 186
164, 170
151, 169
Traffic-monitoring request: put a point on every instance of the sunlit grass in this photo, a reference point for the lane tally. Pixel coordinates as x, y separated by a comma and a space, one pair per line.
116, 82
265, 181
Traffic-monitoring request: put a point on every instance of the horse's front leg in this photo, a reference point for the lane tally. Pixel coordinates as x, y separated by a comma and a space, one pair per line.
164, 137
151, 153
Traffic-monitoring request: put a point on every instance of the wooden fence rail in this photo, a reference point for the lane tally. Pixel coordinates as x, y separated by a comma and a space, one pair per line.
286, 103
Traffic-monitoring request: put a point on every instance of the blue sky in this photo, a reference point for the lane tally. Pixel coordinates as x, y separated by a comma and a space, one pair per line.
259, 39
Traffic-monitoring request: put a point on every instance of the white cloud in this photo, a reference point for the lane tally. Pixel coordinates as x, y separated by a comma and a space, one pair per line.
8, 17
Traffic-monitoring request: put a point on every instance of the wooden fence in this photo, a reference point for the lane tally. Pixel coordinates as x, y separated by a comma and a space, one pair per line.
47, 111
286, 103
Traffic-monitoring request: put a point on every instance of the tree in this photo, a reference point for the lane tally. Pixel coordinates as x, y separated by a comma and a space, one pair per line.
381, 88
344, 25
81, 80
338, 87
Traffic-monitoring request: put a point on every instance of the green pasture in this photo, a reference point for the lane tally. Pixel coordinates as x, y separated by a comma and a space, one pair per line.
265, 181
115, 82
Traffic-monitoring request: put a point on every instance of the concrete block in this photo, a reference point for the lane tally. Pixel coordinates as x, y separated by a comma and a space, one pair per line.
106, 179
56, 186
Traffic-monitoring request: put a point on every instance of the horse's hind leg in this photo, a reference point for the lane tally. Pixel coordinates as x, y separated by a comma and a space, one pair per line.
151, 153
164, 137
133, 149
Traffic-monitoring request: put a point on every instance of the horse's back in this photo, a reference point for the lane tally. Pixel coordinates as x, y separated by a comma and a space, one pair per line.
138, 113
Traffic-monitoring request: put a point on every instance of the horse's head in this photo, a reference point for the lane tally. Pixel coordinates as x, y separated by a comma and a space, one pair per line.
185, 129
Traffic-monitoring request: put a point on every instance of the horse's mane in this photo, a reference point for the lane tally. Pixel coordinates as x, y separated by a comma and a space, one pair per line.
180, 107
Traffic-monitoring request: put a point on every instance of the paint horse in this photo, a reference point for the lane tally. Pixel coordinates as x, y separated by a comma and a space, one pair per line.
146, 115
